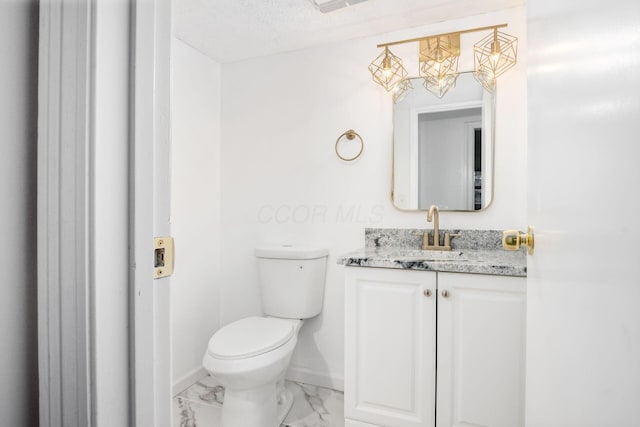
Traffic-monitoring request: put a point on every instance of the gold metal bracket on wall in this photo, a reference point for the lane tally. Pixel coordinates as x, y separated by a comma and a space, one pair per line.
350, 135
163, 257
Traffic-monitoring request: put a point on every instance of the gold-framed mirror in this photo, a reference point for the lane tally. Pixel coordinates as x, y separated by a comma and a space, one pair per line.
443, 148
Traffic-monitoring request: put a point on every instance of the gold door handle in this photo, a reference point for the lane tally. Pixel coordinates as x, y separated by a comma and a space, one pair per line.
513, 239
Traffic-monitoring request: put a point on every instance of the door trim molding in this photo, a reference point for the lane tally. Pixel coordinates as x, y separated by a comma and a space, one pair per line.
149, 215
66, 231
65, 258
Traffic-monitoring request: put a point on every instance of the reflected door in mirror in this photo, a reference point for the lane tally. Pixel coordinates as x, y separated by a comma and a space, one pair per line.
446, 158
443, 148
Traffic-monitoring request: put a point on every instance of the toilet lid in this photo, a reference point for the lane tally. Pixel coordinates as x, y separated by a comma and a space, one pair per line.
250, 337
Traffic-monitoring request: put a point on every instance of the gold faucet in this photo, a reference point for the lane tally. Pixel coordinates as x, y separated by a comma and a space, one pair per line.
434, 216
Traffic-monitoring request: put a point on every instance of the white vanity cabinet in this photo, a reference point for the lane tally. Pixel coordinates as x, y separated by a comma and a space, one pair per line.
480, 350
390, 336
401, 324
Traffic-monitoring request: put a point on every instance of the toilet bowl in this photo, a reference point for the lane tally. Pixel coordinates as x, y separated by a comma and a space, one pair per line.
250, 357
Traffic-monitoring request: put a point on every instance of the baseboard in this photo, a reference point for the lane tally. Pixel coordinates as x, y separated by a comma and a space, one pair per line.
185, 381
308, 376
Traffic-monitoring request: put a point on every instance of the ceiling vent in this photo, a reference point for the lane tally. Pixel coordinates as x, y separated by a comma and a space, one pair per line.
326, 6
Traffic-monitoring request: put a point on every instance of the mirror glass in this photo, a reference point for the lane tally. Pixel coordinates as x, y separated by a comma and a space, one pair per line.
443, 147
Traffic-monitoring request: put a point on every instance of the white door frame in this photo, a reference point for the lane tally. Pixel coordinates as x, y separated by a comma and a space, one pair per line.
64, 214
66, 228
150, 212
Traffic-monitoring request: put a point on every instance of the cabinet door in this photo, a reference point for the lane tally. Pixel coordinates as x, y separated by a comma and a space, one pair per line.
481, 350
390, 347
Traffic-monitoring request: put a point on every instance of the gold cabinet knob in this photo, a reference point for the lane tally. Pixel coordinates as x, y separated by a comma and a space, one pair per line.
513, 239
427, 293
445, 294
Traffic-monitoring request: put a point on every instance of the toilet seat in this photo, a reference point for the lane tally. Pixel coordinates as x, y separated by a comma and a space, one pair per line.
250, 337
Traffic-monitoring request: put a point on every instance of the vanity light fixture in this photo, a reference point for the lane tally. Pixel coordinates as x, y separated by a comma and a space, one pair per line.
401, 90
494, 55
438, 61
387, 69
441, 84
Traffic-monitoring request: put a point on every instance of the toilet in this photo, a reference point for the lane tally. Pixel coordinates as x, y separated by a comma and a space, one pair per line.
250, 356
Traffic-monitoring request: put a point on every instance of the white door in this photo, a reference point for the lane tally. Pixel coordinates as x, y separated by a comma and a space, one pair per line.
390, 320
150, 209
481, 346
583, 284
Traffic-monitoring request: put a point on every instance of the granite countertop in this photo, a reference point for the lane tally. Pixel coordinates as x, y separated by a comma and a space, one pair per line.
478, 252
479, 261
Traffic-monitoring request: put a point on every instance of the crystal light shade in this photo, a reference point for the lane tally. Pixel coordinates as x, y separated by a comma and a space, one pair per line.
387, 70
494, 55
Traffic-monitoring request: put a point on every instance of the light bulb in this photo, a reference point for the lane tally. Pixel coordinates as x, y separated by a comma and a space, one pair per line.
386, 68
494, 57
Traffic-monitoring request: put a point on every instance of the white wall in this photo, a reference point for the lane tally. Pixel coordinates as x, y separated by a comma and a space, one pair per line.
282, 182
195, 206
18, 120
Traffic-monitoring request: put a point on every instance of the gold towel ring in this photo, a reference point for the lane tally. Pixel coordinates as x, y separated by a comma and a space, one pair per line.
350, 135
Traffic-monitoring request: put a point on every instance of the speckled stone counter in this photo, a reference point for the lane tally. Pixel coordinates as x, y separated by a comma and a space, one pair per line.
475, 251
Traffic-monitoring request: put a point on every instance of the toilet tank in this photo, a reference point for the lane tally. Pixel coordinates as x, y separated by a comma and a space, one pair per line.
292, 280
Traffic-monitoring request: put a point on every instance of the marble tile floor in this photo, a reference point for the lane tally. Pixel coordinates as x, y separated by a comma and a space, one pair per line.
200, 406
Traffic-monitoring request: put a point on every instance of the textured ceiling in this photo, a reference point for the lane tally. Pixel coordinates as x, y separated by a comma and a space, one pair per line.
232, 30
